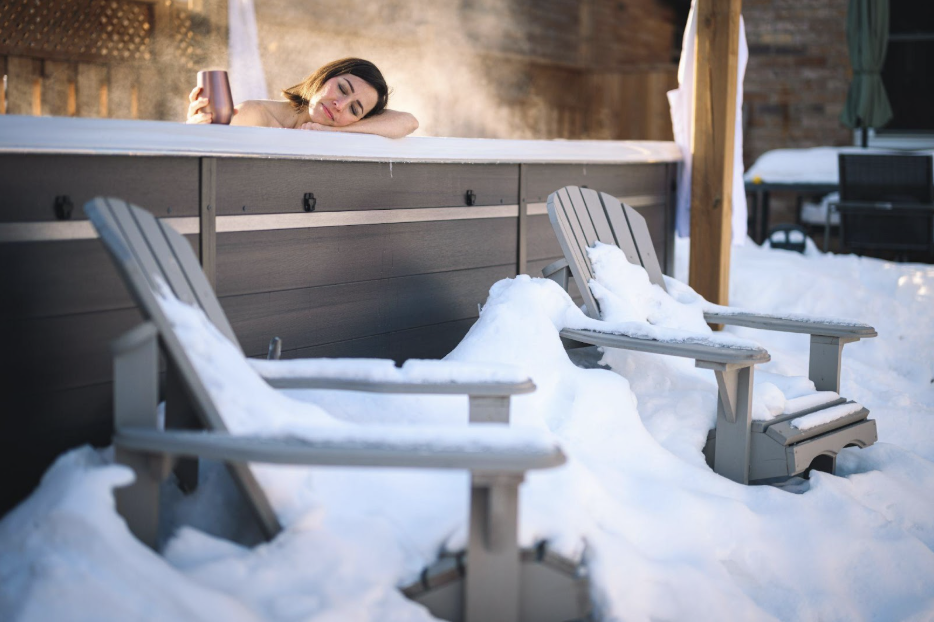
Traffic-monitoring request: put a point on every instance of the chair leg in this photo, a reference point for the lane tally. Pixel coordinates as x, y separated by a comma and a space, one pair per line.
734, 419
136, 368
492, 588
824, 363
489, 409
179, 415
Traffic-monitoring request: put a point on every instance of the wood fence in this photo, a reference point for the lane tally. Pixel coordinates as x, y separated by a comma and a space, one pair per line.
125, 59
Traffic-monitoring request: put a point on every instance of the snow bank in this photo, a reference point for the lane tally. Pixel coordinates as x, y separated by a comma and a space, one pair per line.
663, 537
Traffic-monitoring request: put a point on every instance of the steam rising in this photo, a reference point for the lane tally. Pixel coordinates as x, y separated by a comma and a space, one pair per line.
431, 54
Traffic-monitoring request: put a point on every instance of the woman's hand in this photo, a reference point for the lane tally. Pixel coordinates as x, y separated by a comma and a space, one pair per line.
198, 108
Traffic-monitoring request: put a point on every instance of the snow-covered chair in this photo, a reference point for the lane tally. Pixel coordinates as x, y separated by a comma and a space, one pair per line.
739, 448
162, 274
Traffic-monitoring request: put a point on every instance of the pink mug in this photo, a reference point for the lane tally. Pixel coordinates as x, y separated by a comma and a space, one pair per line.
215, 86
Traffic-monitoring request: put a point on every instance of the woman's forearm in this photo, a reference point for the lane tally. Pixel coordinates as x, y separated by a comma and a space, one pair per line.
391, 124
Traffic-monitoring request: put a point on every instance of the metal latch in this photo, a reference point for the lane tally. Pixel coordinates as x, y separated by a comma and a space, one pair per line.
309, 201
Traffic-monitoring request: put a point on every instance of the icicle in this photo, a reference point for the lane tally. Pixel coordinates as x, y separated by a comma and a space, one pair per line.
390, 170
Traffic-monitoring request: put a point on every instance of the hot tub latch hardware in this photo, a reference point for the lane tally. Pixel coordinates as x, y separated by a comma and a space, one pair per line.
470, 197
309, 202
63, 207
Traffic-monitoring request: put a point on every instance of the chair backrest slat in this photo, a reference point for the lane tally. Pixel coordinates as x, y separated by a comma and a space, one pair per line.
598, 216
201, 289
617, 218
642, 239
581, 216
573, 245
139, 269
146, 242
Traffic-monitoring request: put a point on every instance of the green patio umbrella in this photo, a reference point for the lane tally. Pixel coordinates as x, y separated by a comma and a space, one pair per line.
867, 36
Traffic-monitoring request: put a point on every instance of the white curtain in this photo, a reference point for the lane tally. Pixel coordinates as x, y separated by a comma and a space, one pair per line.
681, 101
247, 78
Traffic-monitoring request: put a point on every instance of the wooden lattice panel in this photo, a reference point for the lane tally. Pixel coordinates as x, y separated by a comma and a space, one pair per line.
77, 30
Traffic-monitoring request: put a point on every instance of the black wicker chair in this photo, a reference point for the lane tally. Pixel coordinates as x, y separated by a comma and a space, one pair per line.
886, 202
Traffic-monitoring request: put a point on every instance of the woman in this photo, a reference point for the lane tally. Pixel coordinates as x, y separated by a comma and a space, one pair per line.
347, 95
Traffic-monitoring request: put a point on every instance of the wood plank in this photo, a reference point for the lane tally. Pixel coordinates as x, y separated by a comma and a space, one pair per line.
55, 80
3, 72
578, 209
60, 278
90, 78
278, 186
313, 316
617, 179
601, 225
62, 352
57, 421
332, 255
164, 186
542, 241
145, 240
714, 128
428, 342
573, 234
21, 75
122, 80
623, 233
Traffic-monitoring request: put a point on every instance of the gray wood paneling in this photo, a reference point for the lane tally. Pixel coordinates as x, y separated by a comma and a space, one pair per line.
60, 278
314, 316
542, 240
30, 183
270, 186
374, 346
428, 342
61, 352
36, 428
617, 179
295, 258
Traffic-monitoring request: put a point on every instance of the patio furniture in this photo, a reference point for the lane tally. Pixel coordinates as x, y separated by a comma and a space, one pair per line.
788, 237
490, 583
739, 448
886, 202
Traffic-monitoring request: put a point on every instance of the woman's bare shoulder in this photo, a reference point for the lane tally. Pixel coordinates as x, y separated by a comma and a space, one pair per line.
262, 113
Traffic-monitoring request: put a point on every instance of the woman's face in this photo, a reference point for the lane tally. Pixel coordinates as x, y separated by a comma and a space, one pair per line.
342, 100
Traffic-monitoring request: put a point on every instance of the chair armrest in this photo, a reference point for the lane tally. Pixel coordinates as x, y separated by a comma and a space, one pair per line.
382, 376
477, 448
553, 267
696, 349
827, 327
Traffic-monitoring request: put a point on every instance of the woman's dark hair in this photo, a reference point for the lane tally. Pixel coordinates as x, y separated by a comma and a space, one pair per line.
300, 94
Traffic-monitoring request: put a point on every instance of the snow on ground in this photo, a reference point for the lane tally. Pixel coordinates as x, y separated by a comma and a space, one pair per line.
663, 537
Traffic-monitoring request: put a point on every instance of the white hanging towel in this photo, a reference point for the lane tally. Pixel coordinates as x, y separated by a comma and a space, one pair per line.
247, 78
681, 102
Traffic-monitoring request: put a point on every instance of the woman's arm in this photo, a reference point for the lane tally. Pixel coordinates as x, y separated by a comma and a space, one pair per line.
390, 123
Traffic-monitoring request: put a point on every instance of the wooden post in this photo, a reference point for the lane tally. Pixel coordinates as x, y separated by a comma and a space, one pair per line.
715, 61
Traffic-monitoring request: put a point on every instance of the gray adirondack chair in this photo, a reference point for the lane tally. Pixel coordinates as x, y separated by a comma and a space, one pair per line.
740, 449
492, 584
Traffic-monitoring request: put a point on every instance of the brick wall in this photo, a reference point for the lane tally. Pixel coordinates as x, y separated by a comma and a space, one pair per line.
797, 76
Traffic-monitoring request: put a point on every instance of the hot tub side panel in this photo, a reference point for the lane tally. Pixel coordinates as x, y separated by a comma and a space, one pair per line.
393, 262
